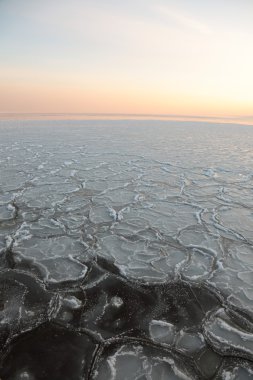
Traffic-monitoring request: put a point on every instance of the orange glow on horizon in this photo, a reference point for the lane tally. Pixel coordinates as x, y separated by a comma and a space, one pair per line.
71, 99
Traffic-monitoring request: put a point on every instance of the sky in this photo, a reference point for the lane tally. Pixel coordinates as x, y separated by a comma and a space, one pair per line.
137, 56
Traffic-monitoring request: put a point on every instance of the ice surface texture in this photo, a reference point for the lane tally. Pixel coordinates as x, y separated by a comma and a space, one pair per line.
126, 251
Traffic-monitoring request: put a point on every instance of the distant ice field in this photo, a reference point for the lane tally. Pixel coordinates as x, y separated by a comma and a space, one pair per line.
126, 249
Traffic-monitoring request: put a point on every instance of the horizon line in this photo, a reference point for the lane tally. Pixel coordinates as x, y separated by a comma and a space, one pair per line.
128, 114
242, 120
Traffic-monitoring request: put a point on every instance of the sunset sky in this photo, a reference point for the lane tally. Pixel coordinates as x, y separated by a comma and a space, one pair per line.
138, 56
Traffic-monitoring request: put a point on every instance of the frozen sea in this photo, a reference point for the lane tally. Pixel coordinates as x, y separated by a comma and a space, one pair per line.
126, 250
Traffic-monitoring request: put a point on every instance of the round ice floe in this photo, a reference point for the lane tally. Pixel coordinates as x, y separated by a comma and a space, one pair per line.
226, 336
162, 332
134, 361
53, 259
